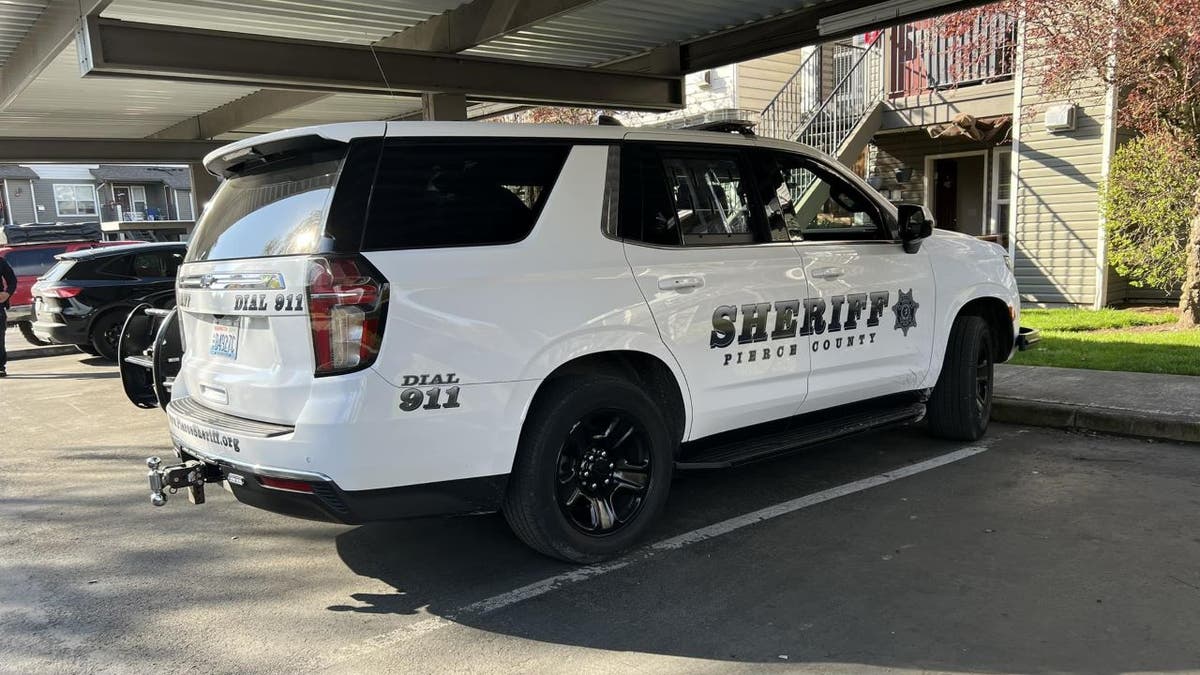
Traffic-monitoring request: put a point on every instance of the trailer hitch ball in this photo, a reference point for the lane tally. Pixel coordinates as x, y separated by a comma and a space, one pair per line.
157, 496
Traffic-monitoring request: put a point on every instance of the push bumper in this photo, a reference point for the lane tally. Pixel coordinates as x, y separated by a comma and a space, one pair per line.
1027, 338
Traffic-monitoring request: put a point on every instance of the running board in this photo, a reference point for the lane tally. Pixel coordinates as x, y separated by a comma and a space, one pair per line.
741, 451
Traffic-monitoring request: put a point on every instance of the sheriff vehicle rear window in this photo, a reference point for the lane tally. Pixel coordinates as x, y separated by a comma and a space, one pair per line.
459, 194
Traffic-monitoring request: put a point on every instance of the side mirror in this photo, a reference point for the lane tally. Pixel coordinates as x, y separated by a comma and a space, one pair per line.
915, 225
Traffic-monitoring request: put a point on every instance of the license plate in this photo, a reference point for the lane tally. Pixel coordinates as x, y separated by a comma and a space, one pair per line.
224, 338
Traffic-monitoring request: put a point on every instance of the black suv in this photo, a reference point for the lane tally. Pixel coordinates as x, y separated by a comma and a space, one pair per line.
84, 299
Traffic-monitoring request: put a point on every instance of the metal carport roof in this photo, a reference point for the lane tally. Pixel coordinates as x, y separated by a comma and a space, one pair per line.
198, 89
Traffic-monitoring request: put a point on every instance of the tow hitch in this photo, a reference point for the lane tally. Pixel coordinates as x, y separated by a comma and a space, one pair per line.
192, 475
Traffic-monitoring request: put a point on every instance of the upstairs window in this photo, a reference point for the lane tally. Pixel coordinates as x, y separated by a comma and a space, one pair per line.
75, 200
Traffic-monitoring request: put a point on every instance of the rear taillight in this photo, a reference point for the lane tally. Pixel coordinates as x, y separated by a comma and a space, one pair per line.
347, 299
63, 291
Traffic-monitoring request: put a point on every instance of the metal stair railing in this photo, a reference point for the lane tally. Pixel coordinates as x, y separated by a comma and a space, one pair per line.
856, 95
794, 103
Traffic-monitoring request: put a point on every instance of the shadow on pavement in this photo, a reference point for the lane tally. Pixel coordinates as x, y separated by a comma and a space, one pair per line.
1012, 561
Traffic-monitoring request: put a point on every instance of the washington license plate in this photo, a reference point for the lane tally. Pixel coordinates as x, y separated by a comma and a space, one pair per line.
224, 338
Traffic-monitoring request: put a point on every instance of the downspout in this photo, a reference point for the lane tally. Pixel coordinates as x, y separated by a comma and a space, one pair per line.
8, 204
1014, 186
1109, 139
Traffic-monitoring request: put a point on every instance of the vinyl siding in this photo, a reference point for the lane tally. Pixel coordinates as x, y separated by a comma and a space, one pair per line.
1056, 197
759, 80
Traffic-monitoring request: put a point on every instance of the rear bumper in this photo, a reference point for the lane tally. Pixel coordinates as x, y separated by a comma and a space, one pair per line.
311, 494
19, 313
315, 497
61, 333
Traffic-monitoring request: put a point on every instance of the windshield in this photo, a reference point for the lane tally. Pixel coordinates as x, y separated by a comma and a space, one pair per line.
278, 210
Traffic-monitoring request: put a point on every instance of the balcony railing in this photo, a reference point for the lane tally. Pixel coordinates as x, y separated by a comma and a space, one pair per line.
925, 57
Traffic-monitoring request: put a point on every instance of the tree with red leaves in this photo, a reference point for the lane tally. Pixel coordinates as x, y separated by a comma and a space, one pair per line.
1148, 50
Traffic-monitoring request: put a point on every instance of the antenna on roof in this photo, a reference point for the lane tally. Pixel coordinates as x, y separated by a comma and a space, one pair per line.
606, 120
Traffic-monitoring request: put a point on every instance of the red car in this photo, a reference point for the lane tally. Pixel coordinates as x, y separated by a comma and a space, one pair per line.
30, 261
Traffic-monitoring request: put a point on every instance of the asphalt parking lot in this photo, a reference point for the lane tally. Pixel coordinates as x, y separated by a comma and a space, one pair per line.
1033, 551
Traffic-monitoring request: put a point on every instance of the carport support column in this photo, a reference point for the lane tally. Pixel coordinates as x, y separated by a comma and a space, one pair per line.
443, 107
204, 184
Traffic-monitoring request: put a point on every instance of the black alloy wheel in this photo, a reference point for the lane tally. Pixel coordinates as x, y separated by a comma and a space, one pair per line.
593, 468
961, 403
983, 381
604, 469
106, 333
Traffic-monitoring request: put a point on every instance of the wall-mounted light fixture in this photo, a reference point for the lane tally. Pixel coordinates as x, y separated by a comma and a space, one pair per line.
903, 174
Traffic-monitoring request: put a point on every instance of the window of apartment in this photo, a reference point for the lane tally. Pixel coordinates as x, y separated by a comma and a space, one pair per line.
75, 200
1001, 189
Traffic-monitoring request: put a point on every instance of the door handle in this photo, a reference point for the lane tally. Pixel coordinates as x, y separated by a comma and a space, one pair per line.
679, 283
828, 272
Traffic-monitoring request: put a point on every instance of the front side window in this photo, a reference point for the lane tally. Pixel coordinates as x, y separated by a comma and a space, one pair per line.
690, 196
75, 200
469, 193
807, 201
710, 202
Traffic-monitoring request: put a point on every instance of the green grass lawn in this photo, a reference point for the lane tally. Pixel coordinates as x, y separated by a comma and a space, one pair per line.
1108, 339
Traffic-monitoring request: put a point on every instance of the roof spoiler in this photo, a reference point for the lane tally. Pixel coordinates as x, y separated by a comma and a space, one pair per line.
248, 157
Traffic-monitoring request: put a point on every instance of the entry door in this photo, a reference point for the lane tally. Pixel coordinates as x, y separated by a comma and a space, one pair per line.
869, 312
123, 200
945, 193
725, 298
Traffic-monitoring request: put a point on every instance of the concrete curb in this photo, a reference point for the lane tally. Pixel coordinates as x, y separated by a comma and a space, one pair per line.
37, 352
1093, 418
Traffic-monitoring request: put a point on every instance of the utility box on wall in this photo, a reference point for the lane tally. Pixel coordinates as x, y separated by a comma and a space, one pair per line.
1060, 117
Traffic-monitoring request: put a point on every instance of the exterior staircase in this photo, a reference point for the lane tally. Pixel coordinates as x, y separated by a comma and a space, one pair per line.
841, 124
844, 120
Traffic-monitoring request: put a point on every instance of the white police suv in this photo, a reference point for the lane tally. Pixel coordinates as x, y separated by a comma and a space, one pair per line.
392, 319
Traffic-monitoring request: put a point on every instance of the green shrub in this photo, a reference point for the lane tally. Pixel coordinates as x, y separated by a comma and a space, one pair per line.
1148, 203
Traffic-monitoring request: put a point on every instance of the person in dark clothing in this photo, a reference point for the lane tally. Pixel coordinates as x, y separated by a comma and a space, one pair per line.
8, 286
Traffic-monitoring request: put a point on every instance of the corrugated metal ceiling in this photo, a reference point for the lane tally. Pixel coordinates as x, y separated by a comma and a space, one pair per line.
355, 21
61, 103
16, 16
336, 108
609, 30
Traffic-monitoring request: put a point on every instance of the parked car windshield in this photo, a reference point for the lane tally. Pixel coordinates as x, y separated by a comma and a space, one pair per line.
273, 212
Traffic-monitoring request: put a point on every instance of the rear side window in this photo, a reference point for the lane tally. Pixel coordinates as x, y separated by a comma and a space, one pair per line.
459, 194
59, 271
277, 209
33, 262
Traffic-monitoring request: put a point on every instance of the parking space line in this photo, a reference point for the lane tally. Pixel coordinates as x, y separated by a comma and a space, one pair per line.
571, 577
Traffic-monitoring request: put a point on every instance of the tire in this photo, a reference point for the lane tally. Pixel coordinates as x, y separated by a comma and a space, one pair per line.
558, 501
961, 404
106, 330
26, 329
87, 349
